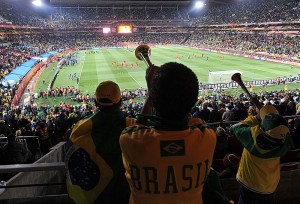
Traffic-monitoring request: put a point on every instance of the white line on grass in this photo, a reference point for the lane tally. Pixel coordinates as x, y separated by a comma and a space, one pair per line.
134, 79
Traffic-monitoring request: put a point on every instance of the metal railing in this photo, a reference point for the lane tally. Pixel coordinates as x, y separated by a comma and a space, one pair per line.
44, 177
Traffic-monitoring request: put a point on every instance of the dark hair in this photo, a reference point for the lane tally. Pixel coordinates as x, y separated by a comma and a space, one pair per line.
174, 91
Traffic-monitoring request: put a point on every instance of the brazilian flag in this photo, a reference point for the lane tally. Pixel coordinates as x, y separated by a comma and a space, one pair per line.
93, 158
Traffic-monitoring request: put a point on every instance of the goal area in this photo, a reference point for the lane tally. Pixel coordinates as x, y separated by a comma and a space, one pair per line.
221, 76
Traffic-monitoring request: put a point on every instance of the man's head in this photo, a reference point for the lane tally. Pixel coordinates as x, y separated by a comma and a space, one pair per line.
174, 91
220, 132
108, 94
273, 124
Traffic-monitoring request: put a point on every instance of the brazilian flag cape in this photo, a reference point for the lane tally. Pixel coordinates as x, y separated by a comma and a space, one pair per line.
94, 159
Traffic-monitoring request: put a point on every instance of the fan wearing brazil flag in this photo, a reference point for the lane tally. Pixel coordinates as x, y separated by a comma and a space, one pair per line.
95, 172
167, 157
265, 139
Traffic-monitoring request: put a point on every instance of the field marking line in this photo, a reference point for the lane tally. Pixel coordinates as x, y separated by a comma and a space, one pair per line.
134, 79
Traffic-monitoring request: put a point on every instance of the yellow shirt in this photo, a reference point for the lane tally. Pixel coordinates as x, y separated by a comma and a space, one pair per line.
259, 169
257, 174
167, 166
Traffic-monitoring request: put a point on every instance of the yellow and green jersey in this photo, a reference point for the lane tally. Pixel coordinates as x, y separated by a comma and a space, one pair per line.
94, 159
259, 168
167, 166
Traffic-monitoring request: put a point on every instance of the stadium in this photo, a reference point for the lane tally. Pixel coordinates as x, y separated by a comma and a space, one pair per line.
54, 53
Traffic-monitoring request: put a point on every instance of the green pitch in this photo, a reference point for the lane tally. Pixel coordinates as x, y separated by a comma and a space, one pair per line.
99, 65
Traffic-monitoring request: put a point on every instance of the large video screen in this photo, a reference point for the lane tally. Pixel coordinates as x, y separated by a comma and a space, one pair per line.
106, 30
125, 29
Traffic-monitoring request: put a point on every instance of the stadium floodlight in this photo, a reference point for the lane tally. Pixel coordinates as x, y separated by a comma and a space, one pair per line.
199, 4
37, 2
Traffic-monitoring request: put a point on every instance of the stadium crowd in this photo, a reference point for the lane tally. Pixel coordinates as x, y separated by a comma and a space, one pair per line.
246, 11
10, 59
216, 108
252, 41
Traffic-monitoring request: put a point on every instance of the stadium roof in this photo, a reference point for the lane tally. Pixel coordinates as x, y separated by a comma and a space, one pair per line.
118, 2
127, 2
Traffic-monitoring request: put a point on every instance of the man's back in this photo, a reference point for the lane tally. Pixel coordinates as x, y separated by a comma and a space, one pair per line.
94, 159
4, 129
228, 115
98, 139
15, 152
173, 167
167, 161
265, 139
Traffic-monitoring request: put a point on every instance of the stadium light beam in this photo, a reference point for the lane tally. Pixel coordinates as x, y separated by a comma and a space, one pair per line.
199, 4
37, 2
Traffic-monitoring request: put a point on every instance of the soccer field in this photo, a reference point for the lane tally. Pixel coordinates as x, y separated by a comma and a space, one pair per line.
94, 67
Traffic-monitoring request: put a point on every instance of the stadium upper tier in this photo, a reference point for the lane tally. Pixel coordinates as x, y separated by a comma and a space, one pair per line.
240, 12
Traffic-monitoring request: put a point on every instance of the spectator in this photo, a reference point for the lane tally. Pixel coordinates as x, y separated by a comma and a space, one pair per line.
167, 161
264, 141
295, 132
231, 162
222, 145
214, 115
45, 142
4, 129
204, 112
93, 152
252, 111
229, 114
61, 127
23, 121
32, 143
201, 111
15, 152
50, 127
240, 112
